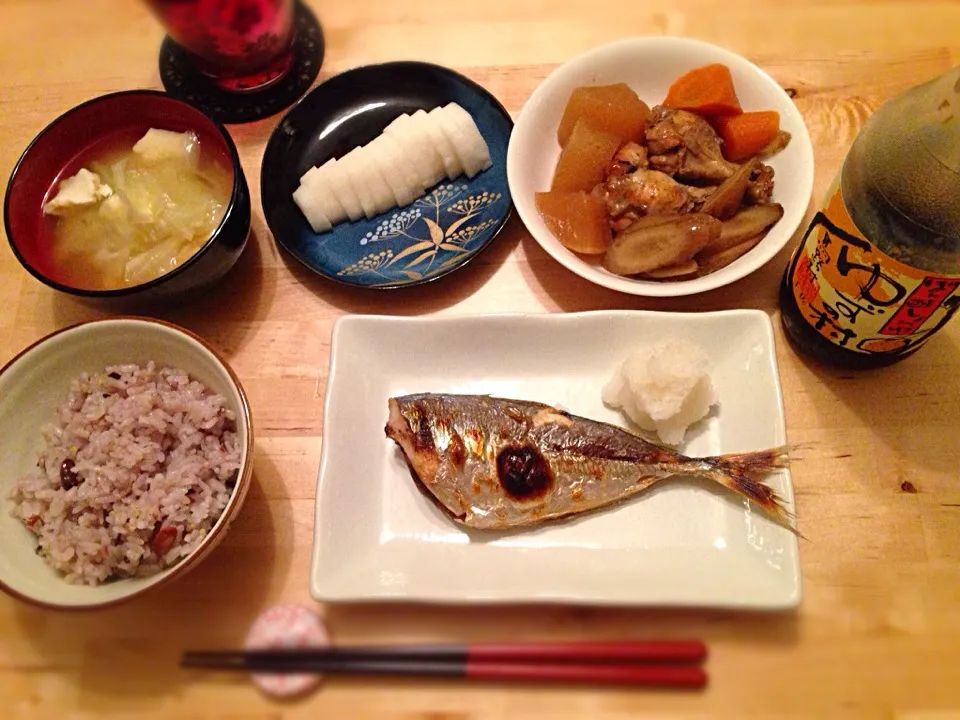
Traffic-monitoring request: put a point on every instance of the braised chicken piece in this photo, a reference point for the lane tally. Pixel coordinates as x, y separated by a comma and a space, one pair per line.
684, 145
632, 195
632, 156
663, 135
760, 188
648, 191
686, 165
668, 163
698, 195
623, 222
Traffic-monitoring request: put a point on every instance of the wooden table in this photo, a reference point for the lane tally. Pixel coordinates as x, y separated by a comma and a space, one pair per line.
878, 633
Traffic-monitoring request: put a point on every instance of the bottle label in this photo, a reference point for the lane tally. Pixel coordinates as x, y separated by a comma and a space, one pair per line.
860, 298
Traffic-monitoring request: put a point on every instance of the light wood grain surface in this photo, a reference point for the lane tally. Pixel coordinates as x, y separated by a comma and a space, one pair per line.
878, 632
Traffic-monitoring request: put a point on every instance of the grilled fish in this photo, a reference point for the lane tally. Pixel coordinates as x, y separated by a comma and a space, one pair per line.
496, 463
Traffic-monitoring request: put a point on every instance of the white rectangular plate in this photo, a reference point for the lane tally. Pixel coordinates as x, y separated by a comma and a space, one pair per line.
682, 543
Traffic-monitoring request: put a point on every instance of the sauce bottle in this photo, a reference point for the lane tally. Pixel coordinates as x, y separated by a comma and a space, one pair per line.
878, 270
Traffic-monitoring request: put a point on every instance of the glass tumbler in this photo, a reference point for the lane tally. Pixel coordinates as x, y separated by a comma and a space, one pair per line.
241, 45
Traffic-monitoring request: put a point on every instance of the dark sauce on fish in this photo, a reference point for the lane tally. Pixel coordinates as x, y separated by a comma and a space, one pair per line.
523, 472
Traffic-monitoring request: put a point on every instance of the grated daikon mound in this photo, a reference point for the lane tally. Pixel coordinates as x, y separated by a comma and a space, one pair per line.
663, 388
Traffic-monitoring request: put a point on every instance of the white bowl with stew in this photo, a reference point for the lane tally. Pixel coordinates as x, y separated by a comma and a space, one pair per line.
649, 65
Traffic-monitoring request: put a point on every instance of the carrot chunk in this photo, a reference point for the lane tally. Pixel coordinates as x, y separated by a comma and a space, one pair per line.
747, 134
708, 90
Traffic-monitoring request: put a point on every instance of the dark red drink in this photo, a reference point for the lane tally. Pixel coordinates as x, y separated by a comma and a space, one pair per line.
241, 44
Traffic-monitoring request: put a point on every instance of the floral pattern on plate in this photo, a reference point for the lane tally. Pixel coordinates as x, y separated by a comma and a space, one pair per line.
433, 235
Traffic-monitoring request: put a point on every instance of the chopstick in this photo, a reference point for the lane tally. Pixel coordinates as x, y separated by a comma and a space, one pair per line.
639, 663
630, 651
687, 676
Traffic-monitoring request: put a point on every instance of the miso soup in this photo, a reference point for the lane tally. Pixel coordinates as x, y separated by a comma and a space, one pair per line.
137, 210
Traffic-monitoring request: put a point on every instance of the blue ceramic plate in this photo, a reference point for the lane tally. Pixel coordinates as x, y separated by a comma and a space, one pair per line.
433, 236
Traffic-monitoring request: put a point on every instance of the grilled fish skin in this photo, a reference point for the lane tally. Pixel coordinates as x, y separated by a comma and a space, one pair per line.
495, 463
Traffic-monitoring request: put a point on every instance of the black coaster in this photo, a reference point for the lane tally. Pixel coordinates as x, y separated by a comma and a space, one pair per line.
182, 80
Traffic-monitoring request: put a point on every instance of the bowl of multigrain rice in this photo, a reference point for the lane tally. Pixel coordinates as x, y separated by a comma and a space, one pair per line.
125, 453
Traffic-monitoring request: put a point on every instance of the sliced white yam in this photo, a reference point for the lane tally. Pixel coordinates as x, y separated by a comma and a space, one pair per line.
342, 188
451, 162
369, 171
354, 169
467, 140
308, 174
431, 155
450, 126
416, 149
401, 132
307, 200
319, 182
391, 162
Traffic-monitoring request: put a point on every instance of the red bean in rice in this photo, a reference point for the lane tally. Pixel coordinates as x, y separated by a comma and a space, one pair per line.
155, 458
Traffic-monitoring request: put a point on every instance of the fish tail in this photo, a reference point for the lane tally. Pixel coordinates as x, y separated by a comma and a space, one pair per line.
761, 494
735, 471
754, 463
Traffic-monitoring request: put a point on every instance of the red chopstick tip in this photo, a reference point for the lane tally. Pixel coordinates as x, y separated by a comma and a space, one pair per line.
610, 651
664, 676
